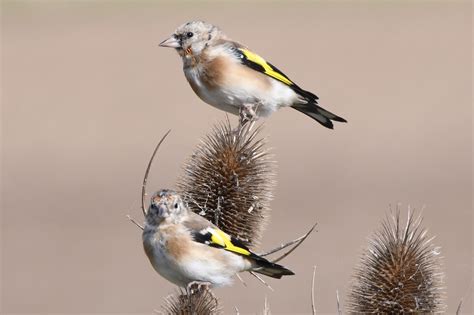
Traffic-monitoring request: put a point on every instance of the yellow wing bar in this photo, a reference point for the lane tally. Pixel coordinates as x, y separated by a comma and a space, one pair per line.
267, 69
222, 239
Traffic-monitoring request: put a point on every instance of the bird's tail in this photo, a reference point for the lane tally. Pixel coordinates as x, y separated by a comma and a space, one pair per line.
270, 269
319, 114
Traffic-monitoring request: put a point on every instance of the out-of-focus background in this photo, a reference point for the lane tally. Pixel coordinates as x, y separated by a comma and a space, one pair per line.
87, 92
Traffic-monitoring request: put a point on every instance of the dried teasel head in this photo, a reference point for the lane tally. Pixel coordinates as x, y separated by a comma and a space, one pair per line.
229, 180
400, 272
195, 302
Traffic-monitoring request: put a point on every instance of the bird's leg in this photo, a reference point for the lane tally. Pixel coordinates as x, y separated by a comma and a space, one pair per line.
192, 287
196, 286
204, 284
248, 113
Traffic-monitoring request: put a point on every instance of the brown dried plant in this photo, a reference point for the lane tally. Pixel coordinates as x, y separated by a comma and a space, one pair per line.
229, 180
199, 301
400, 272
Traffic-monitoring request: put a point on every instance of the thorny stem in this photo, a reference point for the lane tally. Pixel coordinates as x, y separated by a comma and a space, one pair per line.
296, 246
458, 310
312, 292
266, 307
261, 280
145, 178
134, 222
338, 303
241, 280
285, 245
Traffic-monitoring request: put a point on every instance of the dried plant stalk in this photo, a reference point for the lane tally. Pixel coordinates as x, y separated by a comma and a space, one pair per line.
400, 272
266, 308
200, 301
229, 180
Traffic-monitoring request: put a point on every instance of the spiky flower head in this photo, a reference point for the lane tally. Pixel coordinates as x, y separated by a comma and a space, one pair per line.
400, 272
229, 180
195, 302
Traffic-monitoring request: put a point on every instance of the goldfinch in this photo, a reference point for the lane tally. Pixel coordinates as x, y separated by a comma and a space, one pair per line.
229, 76
185, 248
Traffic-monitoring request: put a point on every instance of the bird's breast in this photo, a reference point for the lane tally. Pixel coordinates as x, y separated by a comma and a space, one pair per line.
165, 252
207, 88
228, 85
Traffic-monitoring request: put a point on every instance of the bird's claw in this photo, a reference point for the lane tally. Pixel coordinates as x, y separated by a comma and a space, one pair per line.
247, 113
196, 286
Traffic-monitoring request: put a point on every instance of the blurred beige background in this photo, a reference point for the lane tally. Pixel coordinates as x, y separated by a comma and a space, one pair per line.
87, 92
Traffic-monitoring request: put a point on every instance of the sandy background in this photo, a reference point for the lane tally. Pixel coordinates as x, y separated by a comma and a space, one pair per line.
86, 93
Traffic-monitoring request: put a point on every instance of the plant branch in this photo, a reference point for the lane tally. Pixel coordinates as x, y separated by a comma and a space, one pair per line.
145, 178
241, 280
299, 242
261, 280
285, 245
134, 222
312, 292
338, 303
458, 310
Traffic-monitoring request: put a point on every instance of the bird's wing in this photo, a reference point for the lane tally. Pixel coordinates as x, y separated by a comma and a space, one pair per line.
207, 233
257, 63
254, 61
203, 231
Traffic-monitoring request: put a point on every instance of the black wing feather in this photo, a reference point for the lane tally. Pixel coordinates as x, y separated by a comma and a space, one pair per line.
204, 238
310, 97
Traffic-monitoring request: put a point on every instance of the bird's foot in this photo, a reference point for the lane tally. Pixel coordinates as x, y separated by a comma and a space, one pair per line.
248, 113
196, 286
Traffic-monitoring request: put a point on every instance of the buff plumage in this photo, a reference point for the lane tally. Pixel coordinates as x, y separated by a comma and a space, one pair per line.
229, 76
184, 247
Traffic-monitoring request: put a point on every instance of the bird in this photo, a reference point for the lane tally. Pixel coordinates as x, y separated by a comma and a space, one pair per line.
185, 248
231, 77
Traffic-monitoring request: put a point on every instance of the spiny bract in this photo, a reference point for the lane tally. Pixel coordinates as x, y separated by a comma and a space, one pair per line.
399, 273
195, 302
229, 180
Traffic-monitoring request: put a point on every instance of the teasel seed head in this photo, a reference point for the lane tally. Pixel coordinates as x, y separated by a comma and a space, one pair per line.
400, 272
229, 180
195, 302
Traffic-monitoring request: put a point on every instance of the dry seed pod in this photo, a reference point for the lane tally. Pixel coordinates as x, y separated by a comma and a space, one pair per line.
399, 273
198, 302
229, 180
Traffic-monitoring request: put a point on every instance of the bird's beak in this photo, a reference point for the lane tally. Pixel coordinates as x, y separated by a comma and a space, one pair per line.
162, 210
171, 42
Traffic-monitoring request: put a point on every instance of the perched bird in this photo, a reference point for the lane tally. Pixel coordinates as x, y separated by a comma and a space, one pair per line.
185, 248
227, 75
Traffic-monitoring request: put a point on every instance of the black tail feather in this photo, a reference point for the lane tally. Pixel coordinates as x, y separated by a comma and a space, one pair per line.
319, 114
270, 269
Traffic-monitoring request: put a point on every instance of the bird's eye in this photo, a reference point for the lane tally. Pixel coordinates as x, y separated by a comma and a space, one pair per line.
176, 205
189, 34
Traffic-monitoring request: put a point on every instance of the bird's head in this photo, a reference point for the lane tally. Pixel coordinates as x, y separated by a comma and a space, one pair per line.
191, 38
165, 204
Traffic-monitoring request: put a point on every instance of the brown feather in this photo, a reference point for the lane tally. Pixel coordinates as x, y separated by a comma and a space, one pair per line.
177, 242
214, 72
221, 71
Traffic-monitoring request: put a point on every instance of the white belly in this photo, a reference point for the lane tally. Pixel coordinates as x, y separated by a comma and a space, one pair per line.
164, 264
202, 263
219, 269
238, 91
